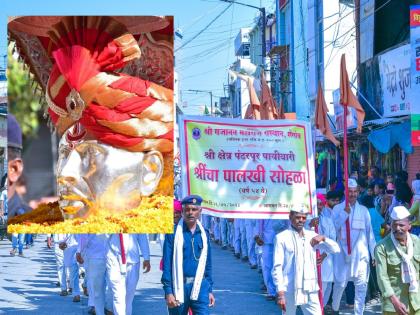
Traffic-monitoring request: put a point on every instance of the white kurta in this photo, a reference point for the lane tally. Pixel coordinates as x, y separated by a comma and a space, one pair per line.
327, 228
93, 246
362, 242
285, 259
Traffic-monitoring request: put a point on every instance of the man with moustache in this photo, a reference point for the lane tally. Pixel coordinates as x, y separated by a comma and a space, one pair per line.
357, 244
398, 266
295, 272
186, 278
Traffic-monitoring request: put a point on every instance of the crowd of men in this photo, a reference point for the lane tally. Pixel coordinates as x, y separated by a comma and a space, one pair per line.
375, 211
111, 268
286, 252
366, 243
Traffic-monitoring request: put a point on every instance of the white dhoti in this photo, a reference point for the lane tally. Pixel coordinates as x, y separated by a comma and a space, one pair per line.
326, 291
74, 279
122, 286
360, 287
70, 262
96, 283
61, 270
88, 283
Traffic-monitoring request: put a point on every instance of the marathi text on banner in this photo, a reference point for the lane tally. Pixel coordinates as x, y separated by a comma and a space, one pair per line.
247, 169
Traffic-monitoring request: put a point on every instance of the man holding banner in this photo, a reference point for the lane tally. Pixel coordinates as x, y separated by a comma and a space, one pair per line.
356, 239
295, 271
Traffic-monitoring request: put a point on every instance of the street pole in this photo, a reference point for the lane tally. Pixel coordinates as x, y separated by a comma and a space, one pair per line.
263, 48
211, 97
292, 56
211, 103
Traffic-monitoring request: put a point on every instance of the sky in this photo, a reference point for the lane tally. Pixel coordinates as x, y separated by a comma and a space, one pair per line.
202, 64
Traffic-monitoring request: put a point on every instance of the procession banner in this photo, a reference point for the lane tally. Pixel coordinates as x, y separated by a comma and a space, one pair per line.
415, 73
248, 168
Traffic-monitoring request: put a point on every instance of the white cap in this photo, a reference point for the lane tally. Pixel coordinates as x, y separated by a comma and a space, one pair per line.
399, 213
352, 183
301, 210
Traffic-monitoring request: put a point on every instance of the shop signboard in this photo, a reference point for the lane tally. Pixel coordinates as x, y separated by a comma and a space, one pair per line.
396, 82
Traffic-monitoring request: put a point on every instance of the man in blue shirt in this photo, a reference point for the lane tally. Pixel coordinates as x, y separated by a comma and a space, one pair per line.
186, 277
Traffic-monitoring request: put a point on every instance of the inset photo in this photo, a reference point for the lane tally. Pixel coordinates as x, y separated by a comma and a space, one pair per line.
90, 124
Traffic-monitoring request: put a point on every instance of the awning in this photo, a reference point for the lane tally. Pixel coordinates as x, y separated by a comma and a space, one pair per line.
386, 138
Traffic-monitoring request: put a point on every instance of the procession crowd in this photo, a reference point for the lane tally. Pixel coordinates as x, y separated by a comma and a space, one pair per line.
364, 248
268, 246
254, 241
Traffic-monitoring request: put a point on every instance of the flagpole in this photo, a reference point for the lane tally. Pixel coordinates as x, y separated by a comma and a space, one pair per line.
346, 166
318, 269
346, 180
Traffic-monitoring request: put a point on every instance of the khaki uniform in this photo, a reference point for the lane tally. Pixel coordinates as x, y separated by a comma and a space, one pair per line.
388, 268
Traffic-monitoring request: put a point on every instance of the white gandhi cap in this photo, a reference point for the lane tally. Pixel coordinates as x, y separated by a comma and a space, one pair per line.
301, 210
352, 183
399, 213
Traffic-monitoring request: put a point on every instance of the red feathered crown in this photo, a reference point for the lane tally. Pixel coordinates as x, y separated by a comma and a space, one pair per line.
115, 108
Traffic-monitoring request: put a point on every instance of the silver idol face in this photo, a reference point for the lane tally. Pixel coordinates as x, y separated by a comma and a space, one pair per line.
92, 176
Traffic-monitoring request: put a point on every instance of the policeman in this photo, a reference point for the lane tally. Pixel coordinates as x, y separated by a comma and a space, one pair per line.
186, 277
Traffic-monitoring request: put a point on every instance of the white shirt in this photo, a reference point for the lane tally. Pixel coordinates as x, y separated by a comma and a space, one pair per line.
362, 241
327, 228
285, 258
93, 246
133, 244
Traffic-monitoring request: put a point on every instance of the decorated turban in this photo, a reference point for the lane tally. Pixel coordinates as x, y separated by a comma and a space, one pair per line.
117, 109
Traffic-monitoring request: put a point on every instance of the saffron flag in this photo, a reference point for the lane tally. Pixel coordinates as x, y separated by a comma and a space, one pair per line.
321, 120
268, 106
347, 96
282, 115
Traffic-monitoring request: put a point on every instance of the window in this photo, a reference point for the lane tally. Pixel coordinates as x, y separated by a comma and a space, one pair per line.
245, 50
